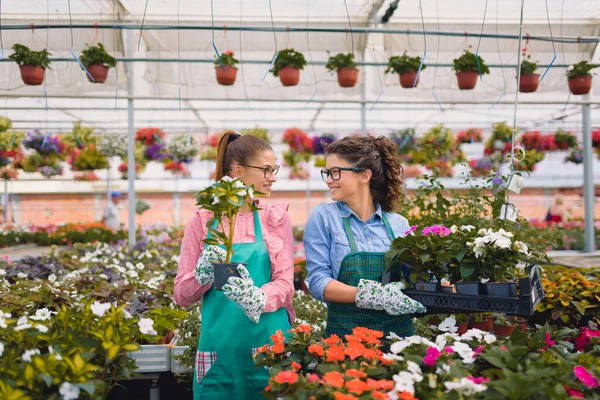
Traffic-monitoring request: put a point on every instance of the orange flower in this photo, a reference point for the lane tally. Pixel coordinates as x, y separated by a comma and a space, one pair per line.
278, 348
369, 354
352, 338
379, 396
332, 340
304, 328
316, 349
354, 373
312, 377
296, 366
380, 385
289, 377
334, 378
406, 396
368, 335
354, 350
278, 337
268, 388
264, 349
341, 396
335, 353
384, 360
356, 386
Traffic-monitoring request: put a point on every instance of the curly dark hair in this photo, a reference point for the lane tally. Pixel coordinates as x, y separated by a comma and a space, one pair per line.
380, 155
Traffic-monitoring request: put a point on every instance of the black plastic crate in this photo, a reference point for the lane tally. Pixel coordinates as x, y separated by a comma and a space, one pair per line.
530, 288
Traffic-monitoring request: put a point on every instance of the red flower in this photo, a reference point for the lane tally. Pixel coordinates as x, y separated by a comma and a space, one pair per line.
479, 380
289, 377
296, 366
278, 348
573, 393
278, 337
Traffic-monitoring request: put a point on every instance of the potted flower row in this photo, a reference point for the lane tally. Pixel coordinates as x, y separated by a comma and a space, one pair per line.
33, 64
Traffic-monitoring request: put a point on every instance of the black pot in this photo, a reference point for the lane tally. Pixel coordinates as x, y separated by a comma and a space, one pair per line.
471, 288
223, 272
447, 289
427, 286
502, 289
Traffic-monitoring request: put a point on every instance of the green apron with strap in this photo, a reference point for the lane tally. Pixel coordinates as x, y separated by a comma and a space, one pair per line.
224, 367
357, 265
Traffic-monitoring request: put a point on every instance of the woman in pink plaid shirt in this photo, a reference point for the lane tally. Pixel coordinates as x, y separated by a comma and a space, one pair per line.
239, 319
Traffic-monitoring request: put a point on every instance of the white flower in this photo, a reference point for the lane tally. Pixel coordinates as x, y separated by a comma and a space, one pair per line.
21, 275
465, 386
56, 355
251, 193
473, 333
432, 381
521, 247
448, 325
42, 314
147, 326
127, 314
1, 349
489, 339
103, 276
23, 320
464, 351
404, 382
26, 356
453, 228
241, 192
393, 357
100, 309
503, 242
41, 328
227, 178
467, 228
215, 200
132, 274
69, 391
413, 368
51, 277
238, 184
2, 272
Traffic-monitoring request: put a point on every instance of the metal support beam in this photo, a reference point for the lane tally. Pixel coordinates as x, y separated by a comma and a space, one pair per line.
197, 114
130, 142
588, 178
314, 118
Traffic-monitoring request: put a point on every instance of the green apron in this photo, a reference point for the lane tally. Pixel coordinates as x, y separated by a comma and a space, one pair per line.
224, 366
357, 265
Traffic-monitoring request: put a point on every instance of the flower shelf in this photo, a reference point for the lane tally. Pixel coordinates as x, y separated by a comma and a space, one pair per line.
531, 293
152, 358
176, 366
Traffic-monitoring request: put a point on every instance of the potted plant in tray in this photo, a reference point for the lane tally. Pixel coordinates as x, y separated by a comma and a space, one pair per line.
529, 79
227, 72
224, 199
466, 70
406, 67
347, 73
97, 61
32, 64
580, 77
503, 325
287, 66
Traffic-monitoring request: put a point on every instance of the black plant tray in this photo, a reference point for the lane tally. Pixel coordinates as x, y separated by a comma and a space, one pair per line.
530, 288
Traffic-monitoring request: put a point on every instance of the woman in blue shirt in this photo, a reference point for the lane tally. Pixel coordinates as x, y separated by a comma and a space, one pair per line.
345, 241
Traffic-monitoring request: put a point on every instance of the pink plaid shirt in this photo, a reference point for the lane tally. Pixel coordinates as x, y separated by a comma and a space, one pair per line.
277, 234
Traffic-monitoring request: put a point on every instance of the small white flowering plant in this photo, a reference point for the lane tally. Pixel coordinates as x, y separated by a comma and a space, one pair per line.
225, 198
182, 148
112, 144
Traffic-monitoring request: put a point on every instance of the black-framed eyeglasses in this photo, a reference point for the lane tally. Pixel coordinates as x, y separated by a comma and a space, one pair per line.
336, 172
268, 171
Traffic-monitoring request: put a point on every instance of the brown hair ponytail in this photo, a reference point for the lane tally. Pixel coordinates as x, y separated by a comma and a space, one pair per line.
235, 149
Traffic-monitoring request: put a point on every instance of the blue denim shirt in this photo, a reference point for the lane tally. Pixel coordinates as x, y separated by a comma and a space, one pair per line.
326, 244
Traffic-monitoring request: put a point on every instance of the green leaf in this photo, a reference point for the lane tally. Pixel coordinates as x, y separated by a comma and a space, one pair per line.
466, 270
580, 307
461, 254
425, 257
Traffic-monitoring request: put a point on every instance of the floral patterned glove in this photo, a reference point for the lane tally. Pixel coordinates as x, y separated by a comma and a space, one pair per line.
389, 298
204, 269
249, 298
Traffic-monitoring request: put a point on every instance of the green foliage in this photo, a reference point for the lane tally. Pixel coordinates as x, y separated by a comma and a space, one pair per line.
403, 64
11, 140
468, 63
340, 60
23, 55
79, 137
258, 132
310, 311
581, 68
565, 140
92, 55
528, 67
90, 159
5, 124
288, 58
227, 58
141, 206
188, 335
225, 199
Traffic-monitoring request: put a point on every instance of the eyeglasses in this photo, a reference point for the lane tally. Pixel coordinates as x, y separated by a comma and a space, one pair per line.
268, 171
336, 172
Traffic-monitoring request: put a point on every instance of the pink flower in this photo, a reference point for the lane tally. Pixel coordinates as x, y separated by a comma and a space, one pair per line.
438, 230
479, 380
410, 230
479, 349
448, 350
573, 393
549, 342
585, 377
503, 348
229, 52
431, 357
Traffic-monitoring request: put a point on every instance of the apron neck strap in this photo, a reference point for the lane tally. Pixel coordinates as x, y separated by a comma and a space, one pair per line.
350, 235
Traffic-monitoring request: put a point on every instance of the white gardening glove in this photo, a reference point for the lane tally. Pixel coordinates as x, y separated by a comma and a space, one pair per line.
249, 298
204, 269
389, 298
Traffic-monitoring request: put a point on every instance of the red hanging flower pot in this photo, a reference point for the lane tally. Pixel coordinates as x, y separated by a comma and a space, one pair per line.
529, 83
98, 71
467, 80
407, 79
289, 76
226, 76
32, 74
580, 84
347, 77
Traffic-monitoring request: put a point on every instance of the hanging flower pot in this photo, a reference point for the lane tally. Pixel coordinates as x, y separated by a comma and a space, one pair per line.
289, 76
347, 77
32, 74
98, 71
407, 79
529, 83
467, 80
580, 84
226, 76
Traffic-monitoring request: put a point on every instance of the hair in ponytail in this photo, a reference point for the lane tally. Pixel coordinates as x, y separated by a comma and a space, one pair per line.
380, 155
235, 149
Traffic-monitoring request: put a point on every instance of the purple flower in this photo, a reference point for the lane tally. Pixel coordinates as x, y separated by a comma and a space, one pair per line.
497, 179
155, 152
320, 143
438, 230
411, 229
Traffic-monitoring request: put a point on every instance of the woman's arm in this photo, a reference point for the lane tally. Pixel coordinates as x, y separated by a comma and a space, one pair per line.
187, 291
339, 292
